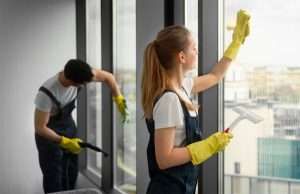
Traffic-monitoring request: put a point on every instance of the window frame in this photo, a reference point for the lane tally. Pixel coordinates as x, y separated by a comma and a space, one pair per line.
106, 182
211, 100
208, 36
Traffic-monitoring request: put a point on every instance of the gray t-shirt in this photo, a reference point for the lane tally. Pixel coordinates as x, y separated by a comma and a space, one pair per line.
168, 112
64, 95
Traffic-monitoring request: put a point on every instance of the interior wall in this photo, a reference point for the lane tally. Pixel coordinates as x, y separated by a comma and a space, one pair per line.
37, 38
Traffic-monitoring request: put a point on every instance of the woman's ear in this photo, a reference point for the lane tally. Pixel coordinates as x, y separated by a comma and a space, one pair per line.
181, 57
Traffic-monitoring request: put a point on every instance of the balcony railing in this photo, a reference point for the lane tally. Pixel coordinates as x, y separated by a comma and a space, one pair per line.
238, 184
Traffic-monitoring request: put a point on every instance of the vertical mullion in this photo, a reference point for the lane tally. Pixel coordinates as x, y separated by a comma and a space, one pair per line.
147, 26
179, 8
174, 12
169, 12
208, 56
107, 105
82, 98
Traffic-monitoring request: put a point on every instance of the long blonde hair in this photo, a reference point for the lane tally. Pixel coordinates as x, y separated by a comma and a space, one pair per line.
159, 57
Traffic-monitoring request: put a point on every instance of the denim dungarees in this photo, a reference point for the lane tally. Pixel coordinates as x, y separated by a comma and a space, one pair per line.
179, 179
59, 167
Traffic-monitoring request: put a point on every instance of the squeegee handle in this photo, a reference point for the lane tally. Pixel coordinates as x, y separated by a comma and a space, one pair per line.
95, 148
234, 123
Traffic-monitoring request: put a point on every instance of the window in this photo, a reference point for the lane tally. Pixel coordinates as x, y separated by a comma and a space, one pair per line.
191, 16
264, 79
191, 22
124, 41
94, 89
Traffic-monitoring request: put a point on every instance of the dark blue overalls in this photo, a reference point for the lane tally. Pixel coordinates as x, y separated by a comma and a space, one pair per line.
179, 179
59, 167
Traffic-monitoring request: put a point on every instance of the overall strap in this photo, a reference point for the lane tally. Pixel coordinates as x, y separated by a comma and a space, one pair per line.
72, 102
158, 97
150, 121
50, 95
185, 110
186, 93
78, 90
188, 97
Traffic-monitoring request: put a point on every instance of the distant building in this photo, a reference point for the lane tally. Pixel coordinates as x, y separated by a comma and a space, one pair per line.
287, 120
236, 85
279, 157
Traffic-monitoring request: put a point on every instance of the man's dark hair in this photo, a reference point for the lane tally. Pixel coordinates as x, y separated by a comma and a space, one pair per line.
78, 71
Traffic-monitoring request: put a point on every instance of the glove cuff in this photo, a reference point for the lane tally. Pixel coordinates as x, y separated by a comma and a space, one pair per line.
63, 140
118, 98
232, 50
201, 150
194, 159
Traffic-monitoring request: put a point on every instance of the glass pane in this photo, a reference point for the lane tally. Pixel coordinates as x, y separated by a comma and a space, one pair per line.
191, 16
240, 185
260, 186
279, 187
265, 80
295, 188
227, 181
191, 22
125, 71
94, 89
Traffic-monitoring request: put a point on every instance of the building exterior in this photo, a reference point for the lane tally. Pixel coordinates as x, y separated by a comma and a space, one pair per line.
279, 157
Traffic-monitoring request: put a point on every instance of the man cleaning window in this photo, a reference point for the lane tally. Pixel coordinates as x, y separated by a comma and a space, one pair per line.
55, 130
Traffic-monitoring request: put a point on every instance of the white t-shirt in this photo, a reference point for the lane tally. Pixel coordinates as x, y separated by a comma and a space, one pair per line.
168, 112
64, 95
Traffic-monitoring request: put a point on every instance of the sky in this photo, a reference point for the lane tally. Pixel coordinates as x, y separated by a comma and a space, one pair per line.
275, 29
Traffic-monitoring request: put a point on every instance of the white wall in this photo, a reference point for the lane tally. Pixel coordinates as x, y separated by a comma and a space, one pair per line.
36, 39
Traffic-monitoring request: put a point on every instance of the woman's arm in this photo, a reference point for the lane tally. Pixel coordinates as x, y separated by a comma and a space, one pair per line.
166, 154
204, 82
169, 156
241, 31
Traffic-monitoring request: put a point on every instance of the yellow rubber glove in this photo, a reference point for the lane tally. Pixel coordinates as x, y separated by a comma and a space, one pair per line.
122, 107
71, 145
202, 150
241, 31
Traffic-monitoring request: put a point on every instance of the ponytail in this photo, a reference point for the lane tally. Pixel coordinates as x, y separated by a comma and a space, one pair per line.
154, 78
159, 57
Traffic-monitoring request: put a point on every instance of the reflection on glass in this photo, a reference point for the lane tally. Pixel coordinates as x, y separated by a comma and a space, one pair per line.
191, 16
295, 188
265, 78
94, 89
125, 72
191, 22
